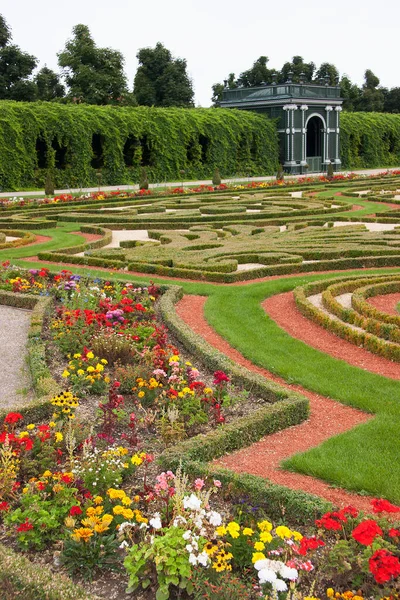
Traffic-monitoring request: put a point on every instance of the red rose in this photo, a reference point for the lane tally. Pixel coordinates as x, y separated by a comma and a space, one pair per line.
366, 532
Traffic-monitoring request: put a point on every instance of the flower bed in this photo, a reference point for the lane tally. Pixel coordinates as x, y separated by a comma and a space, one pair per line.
83, 489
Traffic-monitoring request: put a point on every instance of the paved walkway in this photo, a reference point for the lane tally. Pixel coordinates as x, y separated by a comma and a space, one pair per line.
14, 380
134, 187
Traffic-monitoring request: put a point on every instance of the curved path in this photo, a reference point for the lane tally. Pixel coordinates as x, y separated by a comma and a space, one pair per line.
14, 380
282, 309
327, 418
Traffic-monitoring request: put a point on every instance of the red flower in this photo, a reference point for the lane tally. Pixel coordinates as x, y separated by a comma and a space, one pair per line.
381, 505
220, 377
13, 418
331, 521
351, 511
4, 505
366, 532
394, 533
383, 566
307, 544
66, 478
25, 526
75, 510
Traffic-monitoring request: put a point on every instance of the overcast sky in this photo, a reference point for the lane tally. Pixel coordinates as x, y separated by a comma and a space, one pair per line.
219, 37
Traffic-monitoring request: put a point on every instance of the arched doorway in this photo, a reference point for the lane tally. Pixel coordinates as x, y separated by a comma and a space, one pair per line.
315, 143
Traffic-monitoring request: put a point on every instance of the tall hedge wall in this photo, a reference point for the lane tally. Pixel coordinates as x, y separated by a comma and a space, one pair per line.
80, 140
369, 140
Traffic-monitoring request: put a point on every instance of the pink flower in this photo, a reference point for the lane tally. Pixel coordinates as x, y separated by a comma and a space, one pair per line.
217, 483
199, 484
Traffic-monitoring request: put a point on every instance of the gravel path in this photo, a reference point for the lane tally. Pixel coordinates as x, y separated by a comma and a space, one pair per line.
14, 380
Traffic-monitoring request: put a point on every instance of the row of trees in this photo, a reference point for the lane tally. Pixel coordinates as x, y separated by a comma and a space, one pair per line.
369, 97
93, 75
96, 76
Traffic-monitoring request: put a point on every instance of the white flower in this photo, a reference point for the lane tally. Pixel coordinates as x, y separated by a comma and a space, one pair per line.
187, 535
192, 559
124, 544
192, 502
179, 520
266, 576
288, 573
143, 526
189, 548
266, 563
155, 522
279, 585
203, 559
214, 518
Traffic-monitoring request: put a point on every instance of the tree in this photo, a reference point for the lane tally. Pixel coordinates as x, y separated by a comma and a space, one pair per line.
372, 98
16, 67
392, 100
329, 71
299, 68
162, 80
257, 75
350, 93
48, 85
94, 75
218, 88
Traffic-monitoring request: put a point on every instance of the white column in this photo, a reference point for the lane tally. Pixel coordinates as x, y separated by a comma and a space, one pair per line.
328, 109
303, 109
338, 110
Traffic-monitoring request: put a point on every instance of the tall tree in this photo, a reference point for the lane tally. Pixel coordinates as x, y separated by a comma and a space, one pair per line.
257, 75
93, 75
372, 98
298, 68
16, 67
162, 80
392, 100
329, 72
350, 93
48, 85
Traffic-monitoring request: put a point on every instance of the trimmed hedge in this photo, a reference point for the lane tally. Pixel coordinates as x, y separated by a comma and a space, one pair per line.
361, 338
20, 578
365, 308
77, 141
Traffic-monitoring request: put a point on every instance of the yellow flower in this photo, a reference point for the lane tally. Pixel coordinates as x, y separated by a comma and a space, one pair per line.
118, 510
210, 548
127, 513
106, 519
247, 531
330, 592
141, 394
219, 566
104, 361
69, 522
98, 500
30, 426
257, 556
92, 511
80, 372
101, 528
207, 391
90, 355
83, 533
297, 536
126, 501
107, 379
90, 369
221, 530
25, 490
23, 435
115, 494
47, 474
259, 546
77, 355
52, 424
66, 373
136, 460
283, 532
59, 436
99, 367
265, 537
265, 526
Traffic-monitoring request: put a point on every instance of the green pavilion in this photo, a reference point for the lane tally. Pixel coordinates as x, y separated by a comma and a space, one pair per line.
308, 118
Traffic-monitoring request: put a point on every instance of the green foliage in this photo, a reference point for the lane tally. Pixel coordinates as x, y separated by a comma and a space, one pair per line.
369, 140
100, 553
94, 75
143, 182
164, 559
49, 184
162, 80
48, 85
216, 177
73, 138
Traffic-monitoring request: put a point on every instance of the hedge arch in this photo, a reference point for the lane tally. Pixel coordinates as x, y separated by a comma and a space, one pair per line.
78, 141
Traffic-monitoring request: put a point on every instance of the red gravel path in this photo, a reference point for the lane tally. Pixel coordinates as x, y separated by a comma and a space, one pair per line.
282, 309
386, 303
89, 237
327, 418
39, 239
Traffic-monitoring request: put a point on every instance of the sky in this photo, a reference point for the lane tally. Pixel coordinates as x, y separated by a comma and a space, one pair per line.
217, 37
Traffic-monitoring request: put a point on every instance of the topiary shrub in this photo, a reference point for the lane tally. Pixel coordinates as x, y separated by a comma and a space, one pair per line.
143, 182
216, 177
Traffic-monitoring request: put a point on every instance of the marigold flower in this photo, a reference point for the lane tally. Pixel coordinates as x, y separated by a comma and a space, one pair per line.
257, 556
83, 533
